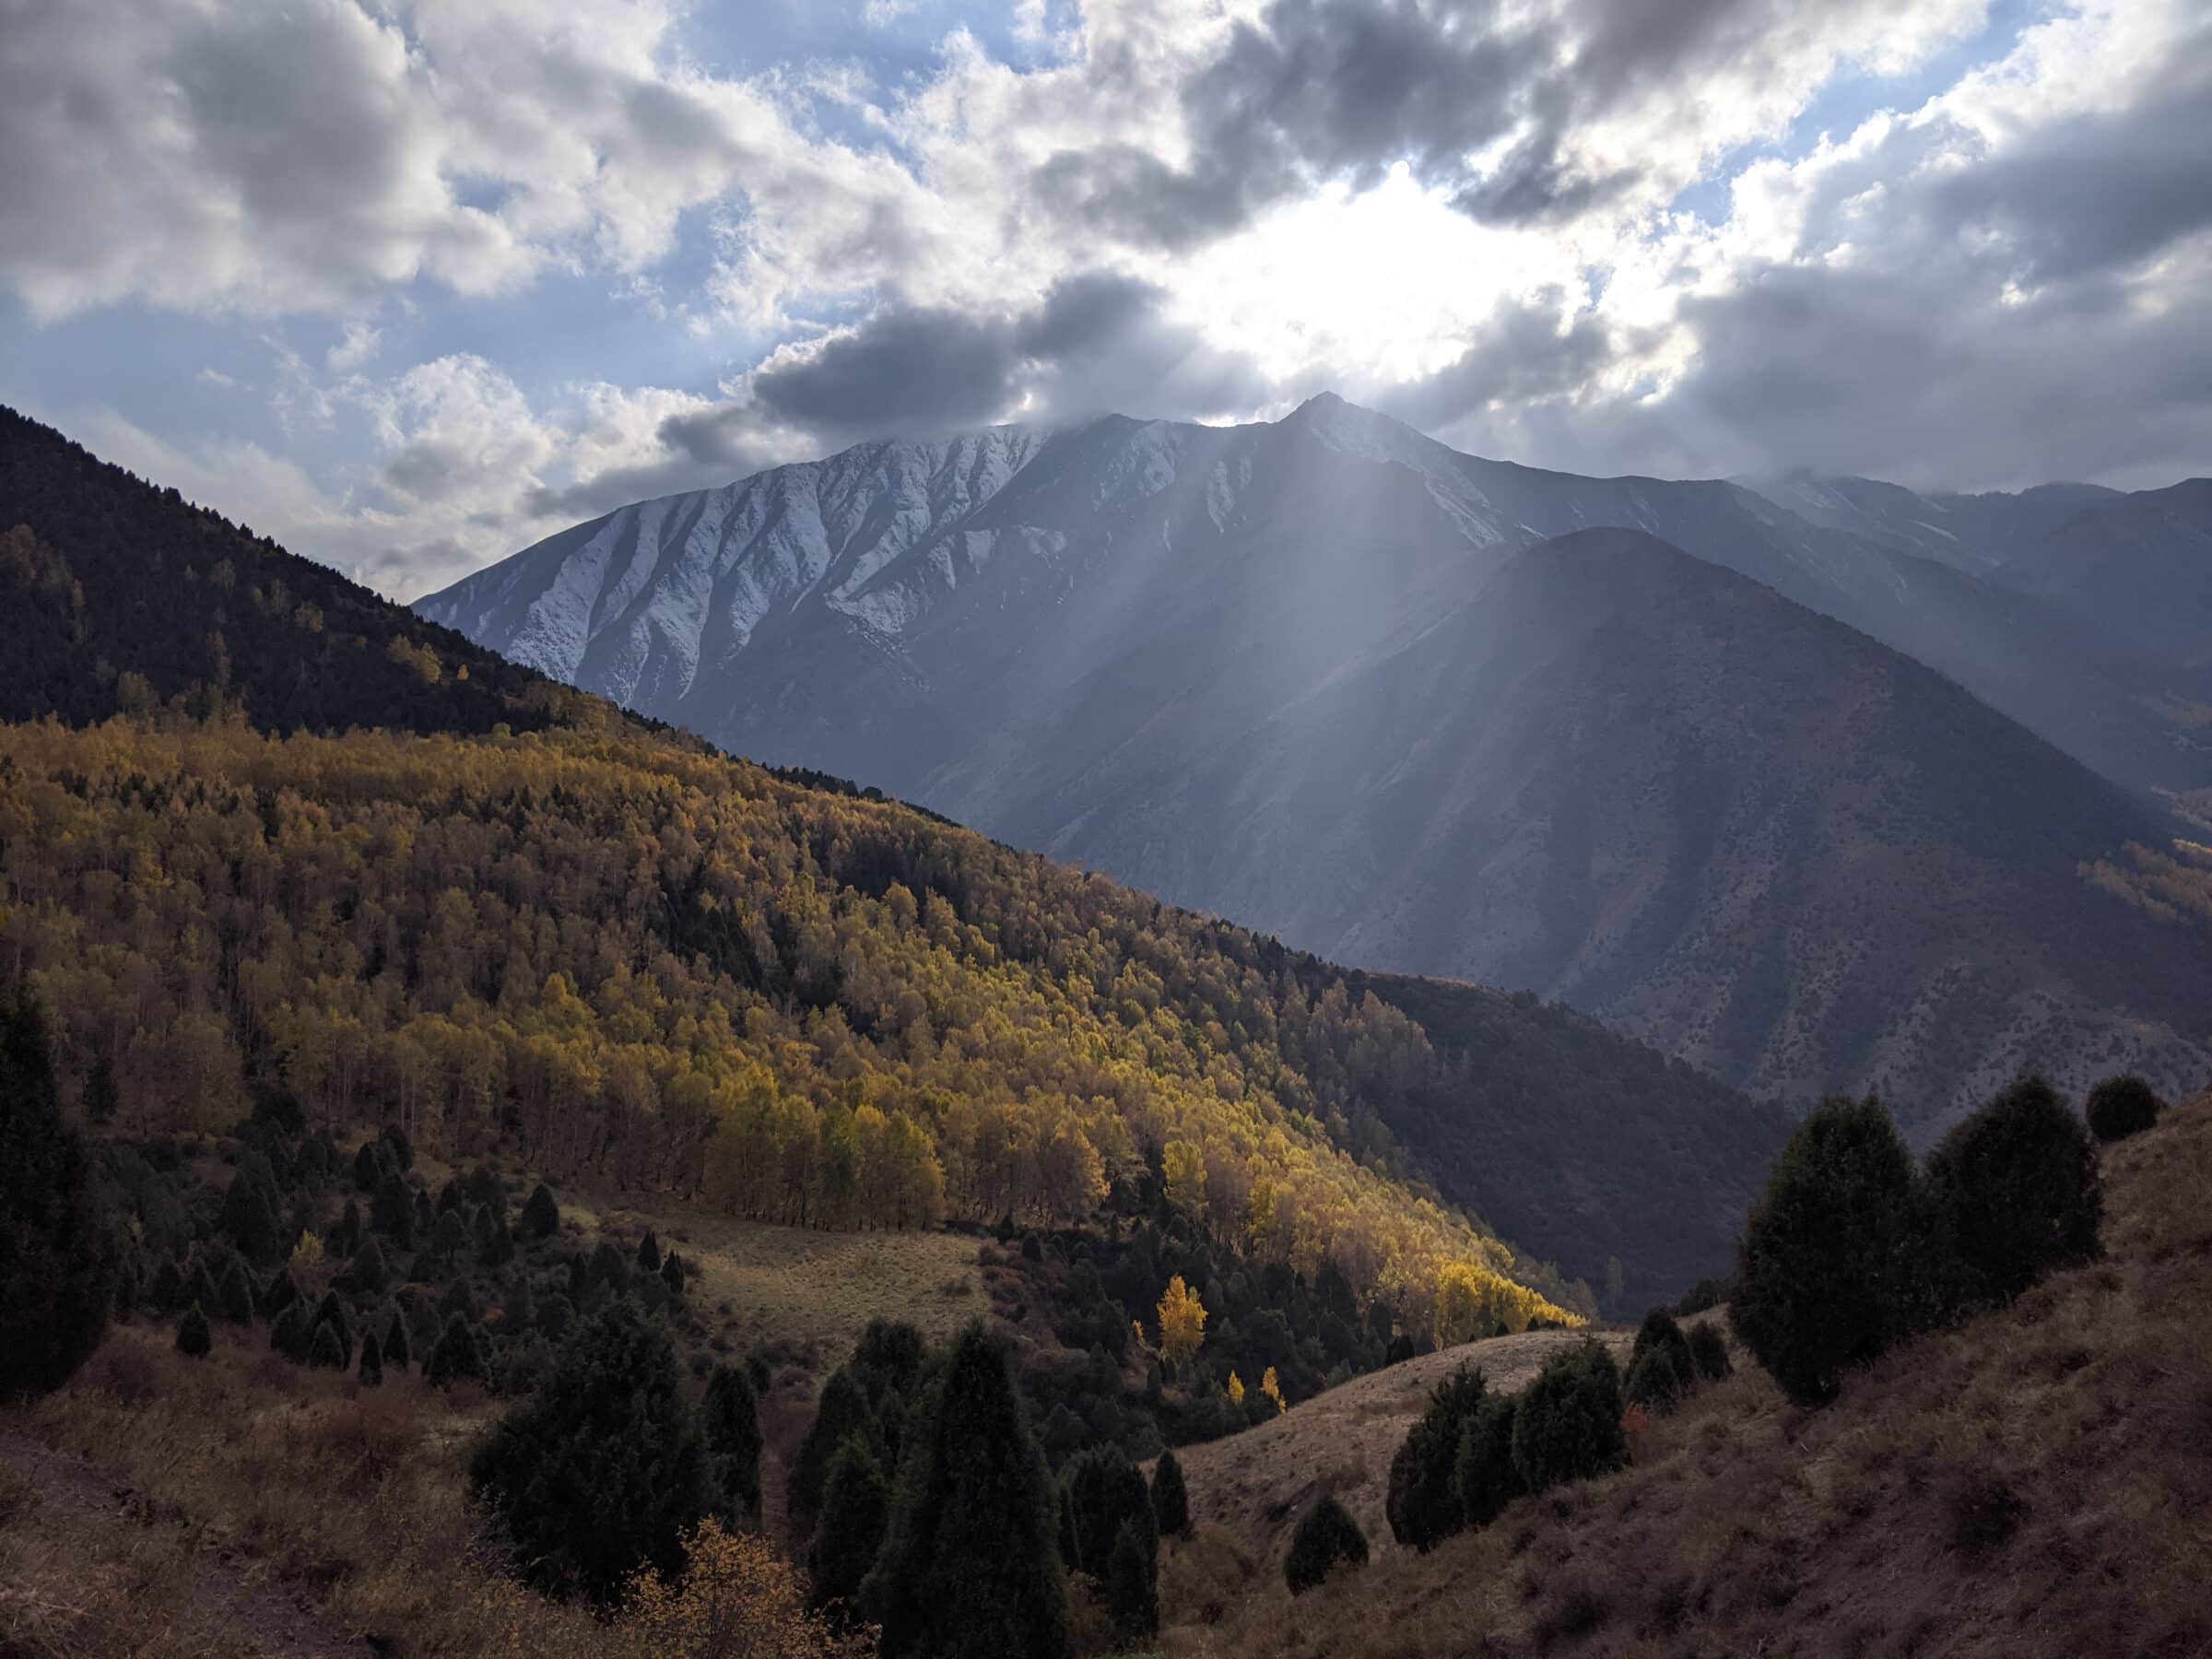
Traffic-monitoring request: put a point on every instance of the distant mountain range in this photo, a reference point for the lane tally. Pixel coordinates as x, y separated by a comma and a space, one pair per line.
1331, 679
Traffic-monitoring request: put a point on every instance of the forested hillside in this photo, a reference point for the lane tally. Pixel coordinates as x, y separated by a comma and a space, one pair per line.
649, 961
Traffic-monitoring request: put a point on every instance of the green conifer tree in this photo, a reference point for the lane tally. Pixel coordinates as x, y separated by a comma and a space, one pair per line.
969, 1566
849, 1537
459, 1355
322, 1351
541, 1214
1484, 1477
371, 1373
61, 1259
1171, 1498
2018, 1188
730, 1418
194, 1339
649, 1253
1567, 1425
604, 1468
234, 1291
840, 1415
1834, 1266
396, 1345
1326, 1535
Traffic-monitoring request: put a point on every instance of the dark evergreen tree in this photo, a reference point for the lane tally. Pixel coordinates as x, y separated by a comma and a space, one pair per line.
1710, 1348
1835, 1259
331, 1312
234, 1292
395, 1343
842, 1413
604, 1468
609, 1268
887, 1359
730, 1419
371, 1373
2122, 1106
1662, 1369
1567, 1425
102, 1096
281, 1293
459, 1355
649, 1254
1130, 1587
849, 1537
450, 1236
392, 1212
166, 1295
250, 1219
672, 1274
402, 1149
1421, 1505
193, 1336
1102, 1495
60, 1256
541, 1216
969, 1566
1170, 1498
1484, 1477
1326, 1535
200, 1286
323, 1352
2017, 1189
449, 1199
292, 1331
365, 1273
345, 1239
369, 1169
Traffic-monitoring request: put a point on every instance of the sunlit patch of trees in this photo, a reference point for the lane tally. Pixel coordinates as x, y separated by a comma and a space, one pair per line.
672, 971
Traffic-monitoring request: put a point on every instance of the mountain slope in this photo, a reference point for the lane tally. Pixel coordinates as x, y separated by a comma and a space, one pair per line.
1169, 650
2032, 1485
410, 900
1649, 787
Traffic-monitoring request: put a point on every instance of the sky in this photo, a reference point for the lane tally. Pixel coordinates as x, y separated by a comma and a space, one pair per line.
411, 283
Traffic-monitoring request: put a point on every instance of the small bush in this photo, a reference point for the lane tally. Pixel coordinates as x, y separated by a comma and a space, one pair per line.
2017, 1190
1708, 1349
1831, 1268
2122, 1106
1567, 1424
1171, 1498
1326, 1535
541, 1214
1423, 1506
192, 1337
1982, 1513
1661, 1367
1484, 1477
459, 1355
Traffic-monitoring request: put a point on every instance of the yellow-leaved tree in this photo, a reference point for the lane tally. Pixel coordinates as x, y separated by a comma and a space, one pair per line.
1236, 1389
1182, 1321
1271, 1387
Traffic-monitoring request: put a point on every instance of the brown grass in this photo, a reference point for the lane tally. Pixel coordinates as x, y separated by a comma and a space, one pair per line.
2037, 1482
229, 1506
1256, 1485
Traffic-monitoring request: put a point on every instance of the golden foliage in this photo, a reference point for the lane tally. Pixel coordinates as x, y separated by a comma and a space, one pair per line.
666, 970
1271, 1387
1182, 1321
737, 1599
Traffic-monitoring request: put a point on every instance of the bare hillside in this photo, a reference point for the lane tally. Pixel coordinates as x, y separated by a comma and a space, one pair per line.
1258, 1483
2035, 1482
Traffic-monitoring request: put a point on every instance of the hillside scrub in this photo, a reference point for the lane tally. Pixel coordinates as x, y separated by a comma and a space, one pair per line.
2028, 1483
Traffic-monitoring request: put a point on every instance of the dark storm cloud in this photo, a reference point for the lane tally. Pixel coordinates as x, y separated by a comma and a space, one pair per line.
1520, 357
1322, 89
1096, 341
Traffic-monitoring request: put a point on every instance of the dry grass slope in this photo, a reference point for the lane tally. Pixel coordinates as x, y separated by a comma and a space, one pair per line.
2037, 1482
1256, 1485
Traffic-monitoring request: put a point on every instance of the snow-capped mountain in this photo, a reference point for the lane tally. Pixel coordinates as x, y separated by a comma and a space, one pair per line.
1184, 652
